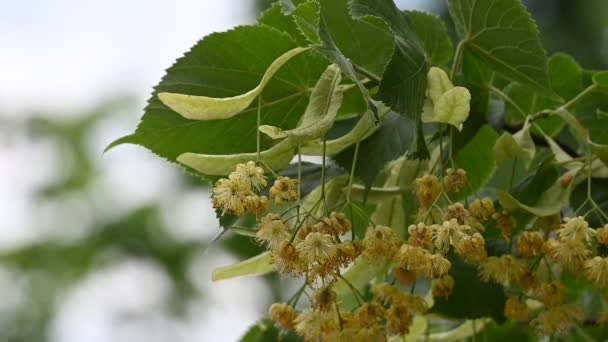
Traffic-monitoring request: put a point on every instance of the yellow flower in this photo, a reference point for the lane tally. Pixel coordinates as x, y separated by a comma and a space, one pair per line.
596, 270
506, 223
283, 189
404, 276
482, 209
340, 223
440, 266
256, 204
428, 189
420, 235
455, 180
472, 249
449, 233
387, 294
317, 247
324, 299
602, 235
501, 270
528, 282
230, 196
286, 260
553, 294
530, 244
457, 211
576, 229
516, 310
559, 320
569, 253
283, 314
415, 259
444, 102
312, 324
443, 287
399, 319
380, 244
273, 231
250, 175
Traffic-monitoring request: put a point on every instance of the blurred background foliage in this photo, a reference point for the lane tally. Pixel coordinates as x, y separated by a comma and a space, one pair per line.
45, 269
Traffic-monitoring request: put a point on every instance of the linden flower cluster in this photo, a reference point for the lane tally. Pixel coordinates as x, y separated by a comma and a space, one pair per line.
531, 272
320, 249
240, 192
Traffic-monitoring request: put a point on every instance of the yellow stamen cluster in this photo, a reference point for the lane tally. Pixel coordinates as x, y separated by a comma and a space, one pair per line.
455, 180
283, 189
530, 244
428, 189
516, 310
572, 246
239, 192
482, 209
559, 320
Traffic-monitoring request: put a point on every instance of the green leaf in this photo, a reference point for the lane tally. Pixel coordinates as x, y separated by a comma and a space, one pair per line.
390, 212
503, 35
306, 16
477, 159
212, 108
601, 79
536, 197
341, 38
265, 330
258, 265
530, 102
477, 78
319, 116
389, 142
519, 145
565, 76
434, 36
403, 84
223, 65
471, 297
274, 17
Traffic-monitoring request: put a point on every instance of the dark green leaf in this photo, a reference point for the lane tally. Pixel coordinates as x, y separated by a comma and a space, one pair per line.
477, 159
503, 35
565, 76
477, 77
434, 36
341, 38
274, 17
530, 102
388, 143
221, 65
265, 330
601, 79
403, 85
471, 297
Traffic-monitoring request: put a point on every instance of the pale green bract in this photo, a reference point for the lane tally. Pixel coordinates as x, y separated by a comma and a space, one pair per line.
519, 145
445, 103
325, 101
257, 265
210, 108
320, 114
